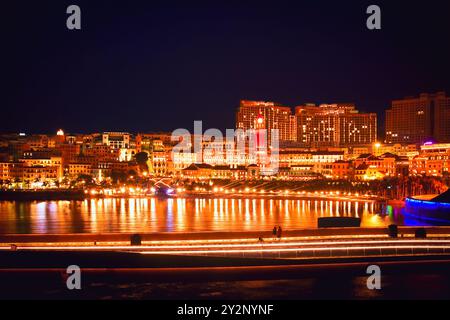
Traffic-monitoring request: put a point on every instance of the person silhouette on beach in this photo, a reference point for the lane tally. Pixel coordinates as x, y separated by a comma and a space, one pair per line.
279, 231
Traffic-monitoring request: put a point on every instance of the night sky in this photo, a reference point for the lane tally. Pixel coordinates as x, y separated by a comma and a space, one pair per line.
144, 66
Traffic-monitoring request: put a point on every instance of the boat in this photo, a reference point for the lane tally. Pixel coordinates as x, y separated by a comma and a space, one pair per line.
164, 191
430, 208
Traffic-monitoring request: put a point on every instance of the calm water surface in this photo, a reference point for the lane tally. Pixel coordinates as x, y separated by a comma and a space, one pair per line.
183, 215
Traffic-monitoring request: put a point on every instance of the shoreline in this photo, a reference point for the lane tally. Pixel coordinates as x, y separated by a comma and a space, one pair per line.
80, 195
41, 195
215, 235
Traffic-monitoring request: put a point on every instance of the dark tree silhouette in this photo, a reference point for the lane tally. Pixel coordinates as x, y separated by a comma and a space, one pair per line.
141, 159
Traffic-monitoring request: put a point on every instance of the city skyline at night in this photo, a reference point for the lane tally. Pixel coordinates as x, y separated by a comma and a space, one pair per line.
234, 158
126, 66
419, 119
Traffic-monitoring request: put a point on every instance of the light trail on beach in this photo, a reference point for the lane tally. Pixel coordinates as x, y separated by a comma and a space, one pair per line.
277, 247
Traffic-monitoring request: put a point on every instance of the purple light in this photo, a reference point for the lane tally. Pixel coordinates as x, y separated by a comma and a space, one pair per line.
428, 143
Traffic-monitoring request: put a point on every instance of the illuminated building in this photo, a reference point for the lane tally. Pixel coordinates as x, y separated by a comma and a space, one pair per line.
197, 171
298, 173
37, 176
183, 160
159, 146
159, 158
222, 172
60, 137
320, 160
225, 153
378, 167
402, 166
252, 114
365, 172
335, 125
10, 171
235, 172
409, 150
433, 160
188, 155
215, 153
125, 167
415, 120
126, 154
40, 159
116, 140
72, 139
34, 176
68, 152
38, 141
76, 169
253, 172
101, 152
55, 140
144, 141
17, 148
82, 158
355, 152
341, 170
101, 170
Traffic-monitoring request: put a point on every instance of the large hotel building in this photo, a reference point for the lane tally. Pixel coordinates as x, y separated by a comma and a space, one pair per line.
418, 119
336, 125
273, 115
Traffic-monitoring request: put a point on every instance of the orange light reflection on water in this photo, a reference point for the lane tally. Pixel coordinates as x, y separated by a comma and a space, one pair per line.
179, 215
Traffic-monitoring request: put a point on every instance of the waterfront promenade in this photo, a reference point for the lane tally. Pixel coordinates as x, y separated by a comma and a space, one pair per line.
302, 264
337, 243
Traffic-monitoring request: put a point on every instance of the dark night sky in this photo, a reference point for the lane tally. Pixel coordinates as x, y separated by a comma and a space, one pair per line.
159, 65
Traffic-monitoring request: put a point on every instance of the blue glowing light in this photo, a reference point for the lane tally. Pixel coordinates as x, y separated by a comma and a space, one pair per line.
428, 204
434, 212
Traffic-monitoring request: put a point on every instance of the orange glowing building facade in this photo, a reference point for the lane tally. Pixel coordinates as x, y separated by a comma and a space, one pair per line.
327, 125
252, 114
433, 160
416, 120
385, 164
335, 125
